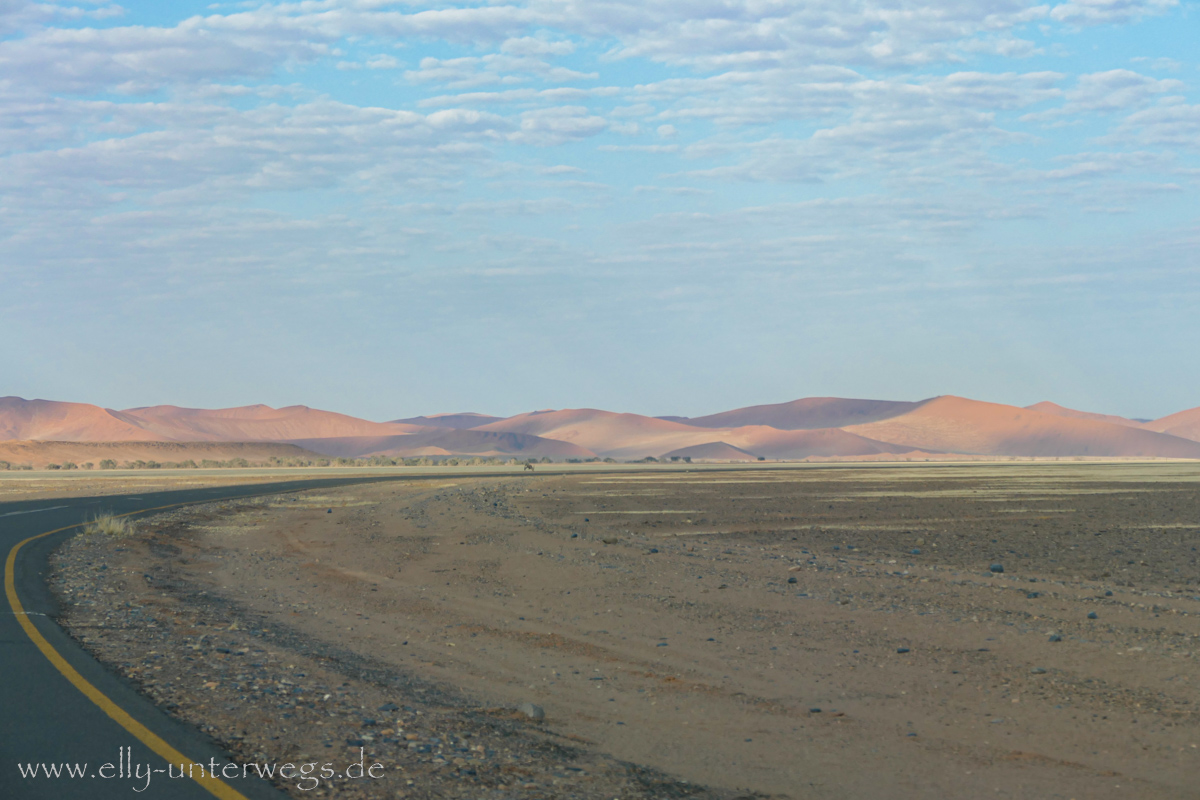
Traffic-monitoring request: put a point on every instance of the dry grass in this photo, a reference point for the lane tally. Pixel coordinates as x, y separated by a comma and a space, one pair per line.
109, 525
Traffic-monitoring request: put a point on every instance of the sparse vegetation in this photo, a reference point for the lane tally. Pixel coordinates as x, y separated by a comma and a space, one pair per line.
278, 462
109, 525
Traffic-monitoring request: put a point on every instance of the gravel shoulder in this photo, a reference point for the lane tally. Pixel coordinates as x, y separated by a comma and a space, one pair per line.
805, 634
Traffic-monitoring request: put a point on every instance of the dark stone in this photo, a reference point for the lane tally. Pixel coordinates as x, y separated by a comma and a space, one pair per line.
1093, 615
996, 568
1054, 637
902, 650
792, 579
532, 711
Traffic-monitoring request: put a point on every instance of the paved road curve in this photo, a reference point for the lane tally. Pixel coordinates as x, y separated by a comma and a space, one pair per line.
59, 706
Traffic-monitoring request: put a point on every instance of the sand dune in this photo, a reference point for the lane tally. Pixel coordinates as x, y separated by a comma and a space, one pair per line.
776, 444
1185, 424
80, 422
635, 436
444, 442
712, 451
606, 433
256, 423
462, 420
1046, 407
39, 453
958, 425
50, 420
800, 429
805, 414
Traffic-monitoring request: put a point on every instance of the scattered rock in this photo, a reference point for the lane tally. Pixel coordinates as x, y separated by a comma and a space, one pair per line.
916, 551
1054, 637
792, 579
1038, 671
996, 568
1093, 615
532, 711
902, 650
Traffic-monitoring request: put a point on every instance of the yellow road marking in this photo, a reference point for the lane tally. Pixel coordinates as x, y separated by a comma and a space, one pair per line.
214, 785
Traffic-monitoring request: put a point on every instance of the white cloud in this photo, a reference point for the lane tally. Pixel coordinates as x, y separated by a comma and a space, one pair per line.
897, 122
383, 61
550, 126
471, 71
534, 46
1162, 63
520, 96
1167, 124
1099, 12
1113, 90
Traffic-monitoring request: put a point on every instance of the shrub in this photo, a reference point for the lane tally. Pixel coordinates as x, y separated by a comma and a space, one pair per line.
70, 465
109, 525
108, 463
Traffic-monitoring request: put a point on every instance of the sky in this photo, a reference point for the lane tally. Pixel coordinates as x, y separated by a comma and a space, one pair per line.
398, 208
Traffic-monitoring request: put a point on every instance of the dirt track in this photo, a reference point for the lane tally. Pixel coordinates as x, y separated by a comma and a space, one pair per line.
693, 624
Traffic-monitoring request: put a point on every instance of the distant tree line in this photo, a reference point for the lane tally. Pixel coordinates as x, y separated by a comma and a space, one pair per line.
373, 461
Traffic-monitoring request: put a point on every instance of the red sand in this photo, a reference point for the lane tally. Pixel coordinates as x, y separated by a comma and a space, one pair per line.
956, 424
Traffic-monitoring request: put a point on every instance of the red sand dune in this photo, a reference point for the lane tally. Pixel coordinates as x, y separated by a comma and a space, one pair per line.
941, 425
463, 420
40, 453
1046, 407
606, 433
805, 414
776, 444
955, 424
712, 451
77, 422
1185, 424
256, 424
445, 441
80, 422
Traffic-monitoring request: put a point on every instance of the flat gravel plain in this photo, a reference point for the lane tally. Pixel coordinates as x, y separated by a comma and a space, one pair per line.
1023, 631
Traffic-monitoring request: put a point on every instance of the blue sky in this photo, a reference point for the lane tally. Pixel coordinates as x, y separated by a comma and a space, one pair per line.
396, 208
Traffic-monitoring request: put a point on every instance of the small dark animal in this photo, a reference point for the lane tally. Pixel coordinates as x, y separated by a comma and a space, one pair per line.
529, 467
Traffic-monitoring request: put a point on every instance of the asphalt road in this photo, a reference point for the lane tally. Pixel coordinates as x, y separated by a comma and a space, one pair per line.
46, 713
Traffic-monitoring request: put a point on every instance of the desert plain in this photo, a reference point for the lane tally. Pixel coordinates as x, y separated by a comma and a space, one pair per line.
805, 631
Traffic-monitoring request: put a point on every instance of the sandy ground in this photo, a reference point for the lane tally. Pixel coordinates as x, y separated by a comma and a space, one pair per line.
815, 633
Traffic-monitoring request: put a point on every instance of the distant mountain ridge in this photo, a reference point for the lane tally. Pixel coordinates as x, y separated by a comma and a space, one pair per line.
814, 427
